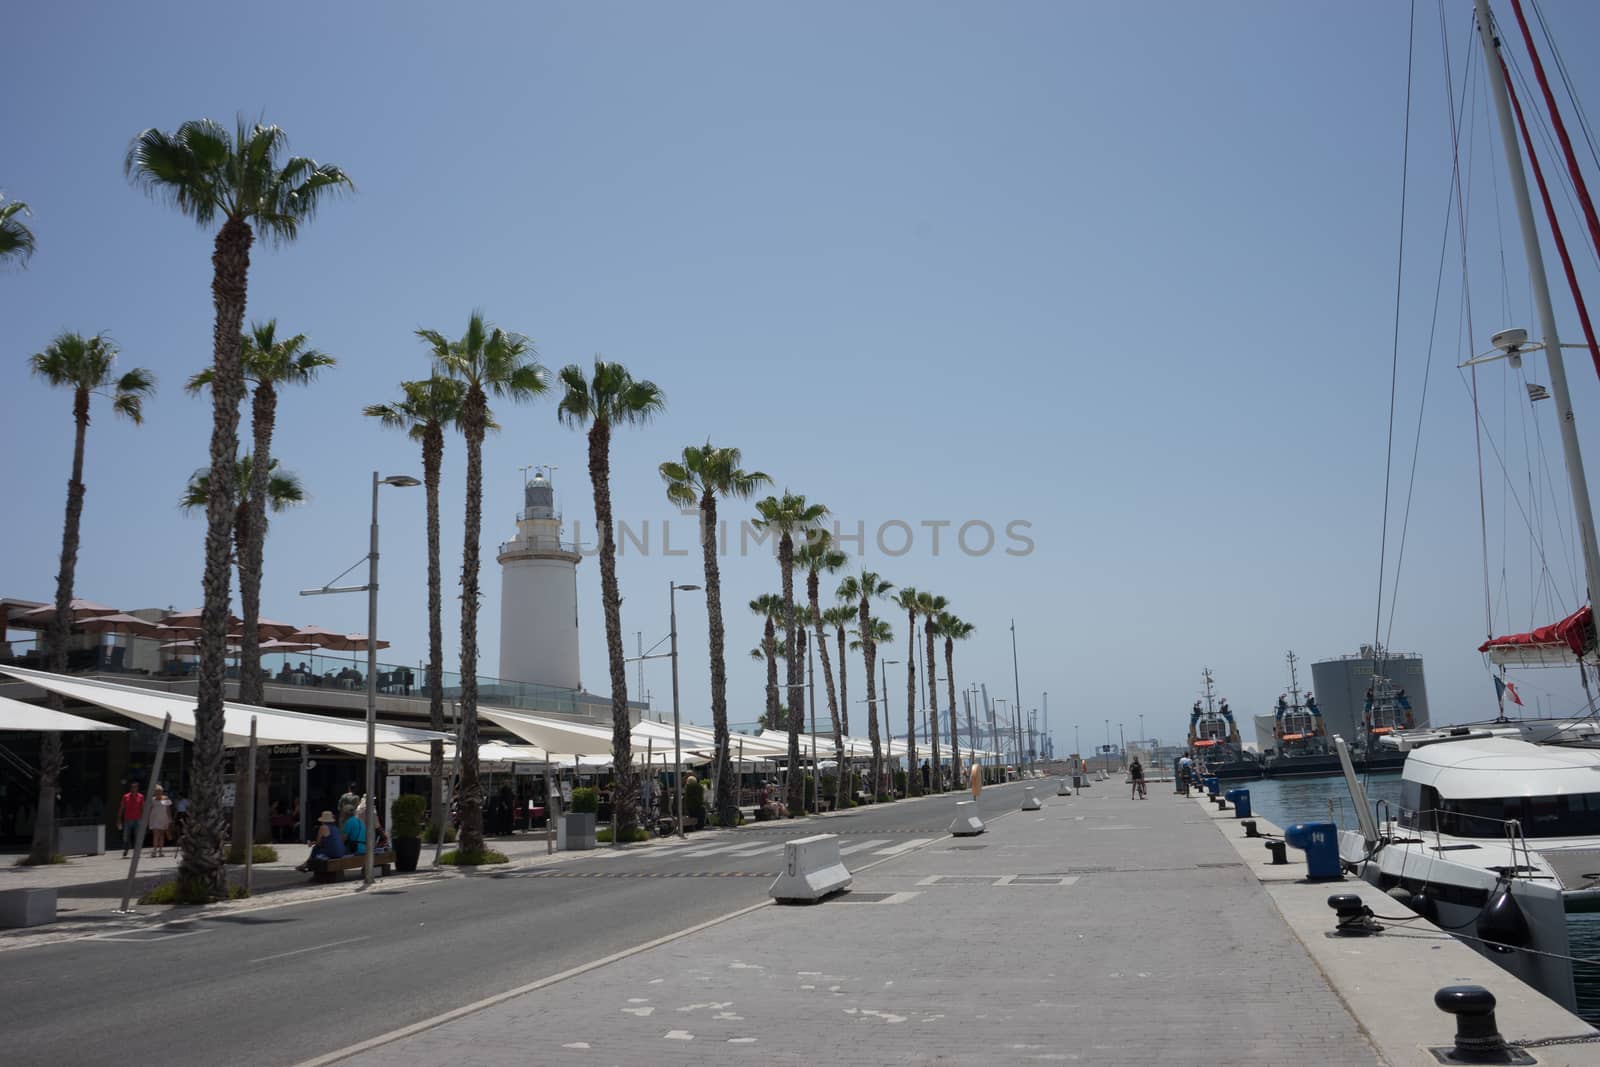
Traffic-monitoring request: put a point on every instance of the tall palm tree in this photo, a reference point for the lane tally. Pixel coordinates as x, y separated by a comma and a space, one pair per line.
816, 557
787, 516
909, 600
611, 397
244, 179
770, 607
268, 362
879, 633
860, 590
487, 361
16, 240
87, 366
930, 605
840, 616
697, 480
427, 408
954, 629
283, 491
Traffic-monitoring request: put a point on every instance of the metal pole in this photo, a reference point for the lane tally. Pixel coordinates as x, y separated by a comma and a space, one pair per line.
811, 674
677, 744
372, 681
302, 827
249, 844
1016, 684
888, 738
138, 833
549, 810
1541, 293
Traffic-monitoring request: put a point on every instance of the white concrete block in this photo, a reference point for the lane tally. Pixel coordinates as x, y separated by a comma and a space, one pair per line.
27, 907
1063, 787
966, 823
812, 870
1030, 802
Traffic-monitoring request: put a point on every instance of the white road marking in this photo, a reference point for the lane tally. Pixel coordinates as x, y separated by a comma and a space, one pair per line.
899, 898
904, 846
758, 850
677, 1035
696, 853
310, 948
862, 846
148, 940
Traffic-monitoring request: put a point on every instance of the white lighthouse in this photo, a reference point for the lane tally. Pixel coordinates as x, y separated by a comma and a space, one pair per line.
539, 595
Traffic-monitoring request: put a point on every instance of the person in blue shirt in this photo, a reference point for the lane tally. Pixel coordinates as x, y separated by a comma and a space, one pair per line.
355, 831
329, 843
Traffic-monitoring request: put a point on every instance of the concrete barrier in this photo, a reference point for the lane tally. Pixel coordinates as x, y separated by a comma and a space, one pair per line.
812, 870
966, 823
27, 907
1030, 802
1063, 787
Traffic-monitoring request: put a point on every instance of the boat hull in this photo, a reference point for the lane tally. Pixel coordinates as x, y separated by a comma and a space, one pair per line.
1320, 765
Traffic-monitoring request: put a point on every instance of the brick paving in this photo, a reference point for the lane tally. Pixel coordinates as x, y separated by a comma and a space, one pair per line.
1138, 939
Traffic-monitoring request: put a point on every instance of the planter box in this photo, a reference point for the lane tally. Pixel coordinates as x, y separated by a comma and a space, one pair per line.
575, 831
406, 852
81, 840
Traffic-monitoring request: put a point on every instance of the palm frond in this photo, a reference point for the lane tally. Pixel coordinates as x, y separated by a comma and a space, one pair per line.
16, 239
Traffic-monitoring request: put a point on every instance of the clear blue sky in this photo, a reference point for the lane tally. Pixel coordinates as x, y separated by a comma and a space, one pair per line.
1123, 271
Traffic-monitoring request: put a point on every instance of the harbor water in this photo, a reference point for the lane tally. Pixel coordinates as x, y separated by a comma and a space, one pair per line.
1290, 800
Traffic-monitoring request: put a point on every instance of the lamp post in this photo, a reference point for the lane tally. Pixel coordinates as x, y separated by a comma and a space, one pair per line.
401, 481
888, 737
677, 743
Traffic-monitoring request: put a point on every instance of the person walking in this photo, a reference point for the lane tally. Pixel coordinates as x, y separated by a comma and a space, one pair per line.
348, 802
128, 815
1136, 779
160, 817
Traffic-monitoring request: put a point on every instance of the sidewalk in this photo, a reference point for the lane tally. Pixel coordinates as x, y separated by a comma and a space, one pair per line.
1100, 930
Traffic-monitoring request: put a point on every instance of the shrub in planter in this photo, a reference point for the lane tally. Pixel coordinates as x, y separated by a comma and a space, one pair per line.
430, 838
900, 782
694, 800
406, 830
585, 800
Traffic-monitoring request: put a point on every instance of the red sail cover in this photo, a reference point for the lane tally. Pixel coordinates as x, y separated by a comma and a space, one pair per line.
1561, 641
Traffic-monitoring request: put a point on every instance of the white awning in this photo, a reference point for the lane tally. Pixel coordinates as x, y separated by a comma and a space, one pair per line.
274, 726
15, 715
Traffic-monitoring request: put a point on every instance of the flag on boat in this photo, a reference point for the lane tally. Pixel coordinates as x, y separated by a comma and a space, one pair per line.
1502, 688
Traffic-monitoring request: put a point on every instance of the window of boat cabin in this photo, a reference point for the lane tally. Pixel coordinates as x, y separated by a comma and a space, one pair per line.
1418, 803
1562, 815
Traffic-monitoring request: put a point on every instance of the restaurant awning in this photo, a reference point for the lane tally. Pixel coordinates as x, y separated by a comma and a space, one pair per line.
274, 726
16, 715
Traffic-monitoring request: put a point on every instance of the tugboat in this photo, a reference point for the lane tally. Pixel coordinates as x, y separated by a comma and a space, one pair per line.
1301, 747
1385, 711
1214, 738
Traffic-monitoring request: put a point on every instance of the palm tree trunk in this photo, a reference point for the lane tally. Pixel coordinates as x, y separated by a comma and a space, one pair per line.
726, 802
950, 684
624, 797
201, 871
846, 774
796, 700
933, 709
913, 773
474, 418
432, 458
869, 654
769, 645
840, 771
251, 551
44, 819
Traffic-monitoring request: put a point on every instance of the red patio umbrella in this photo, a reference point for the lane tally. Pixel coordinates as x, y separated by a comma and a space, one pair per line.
118, 623
77, 611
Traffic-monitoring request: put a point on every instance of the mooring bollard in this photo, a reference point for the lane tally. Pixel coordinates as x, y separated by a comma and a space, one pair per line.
1222, 805
1478, 1039
1353, 918
1279, 852
1249, 827
1320, 841
1240, 799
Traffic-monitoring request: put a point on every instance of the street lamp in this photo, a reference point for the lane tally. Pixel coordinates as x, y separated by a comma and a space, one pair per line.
399, 481
677, 743
888, 736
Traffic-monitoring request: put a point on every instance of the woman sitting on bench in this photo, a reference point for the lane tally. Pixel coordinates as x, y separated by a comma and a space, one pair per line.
355, 830
329, 843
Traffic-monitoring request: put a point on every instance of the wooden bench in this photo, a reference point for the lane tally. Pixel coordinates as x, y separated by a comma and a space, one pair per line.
333, 870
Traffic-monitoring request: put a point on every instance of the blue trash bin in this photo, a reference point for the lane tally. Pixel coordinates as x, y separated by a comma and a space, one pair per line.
1320, 841
1240, 799
1212, 786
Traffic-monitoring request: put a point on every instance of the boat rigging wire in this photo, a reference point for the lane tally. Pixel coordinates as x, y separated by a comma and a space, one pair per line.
1566, 83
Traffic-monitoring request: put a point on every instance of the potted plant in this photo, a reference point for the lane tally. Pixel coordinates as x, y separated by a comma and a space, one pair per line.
694, 802
575, 832
406, 831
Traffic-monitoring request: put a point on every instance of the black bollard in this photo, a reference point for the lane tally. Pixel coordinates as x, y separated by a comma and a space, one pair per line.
1222, 805
1278, 850
1355, 919
1478, 1039
1249, 827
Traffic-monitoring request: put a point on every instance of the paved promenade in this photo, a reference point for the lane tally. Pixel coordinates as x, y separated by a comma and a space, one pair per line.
1099, 930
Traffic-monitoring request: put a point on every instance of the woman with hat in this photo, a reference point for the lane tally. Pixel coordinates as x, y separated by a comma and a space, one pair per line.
328, 844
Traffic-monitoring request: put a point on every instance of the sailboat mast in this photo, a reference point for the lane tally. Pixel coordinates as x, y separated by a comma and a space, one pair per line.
1294, 680
1495, 75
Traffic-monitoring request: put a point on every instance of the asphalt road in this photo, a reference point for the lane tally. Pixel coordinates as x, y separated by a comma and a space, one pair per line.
281, 985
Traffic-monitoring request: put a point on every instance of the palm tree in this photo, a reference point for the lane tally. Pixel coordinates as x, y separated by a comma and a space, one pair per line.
704, 474
840, 616
770, 607
930, 605
427, 408
243, 178
268, 362
815, 557
283, 490
16, 240
486, 361
611, 397
787, 516
861, 590
907, 600
87, 366
878, 633
953, 629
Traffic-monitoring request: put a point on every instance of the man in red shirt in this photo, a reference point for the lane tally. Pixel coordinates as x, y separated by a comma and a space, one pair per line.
129, 814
